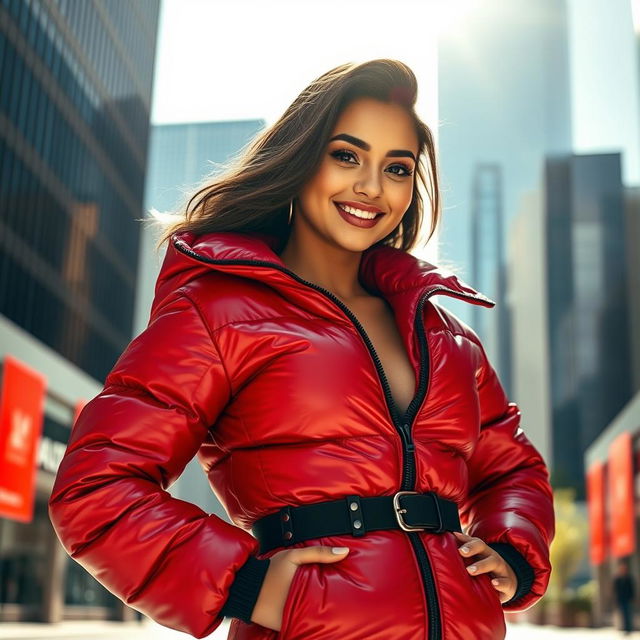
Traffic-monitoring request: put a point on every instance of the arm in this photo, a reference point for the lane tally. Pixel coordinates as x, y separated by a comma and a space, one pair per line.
510, 502
110, 506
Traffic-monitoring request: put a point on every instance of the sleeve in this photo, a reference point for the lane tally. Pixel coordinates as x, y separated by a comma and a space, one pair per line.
509, 503
110, 506
522, 569
245, 589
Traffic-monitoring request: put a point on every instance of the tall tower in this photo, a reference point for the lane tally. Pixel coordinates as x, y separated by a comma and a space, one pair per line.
75, 92
488, 263
503, 87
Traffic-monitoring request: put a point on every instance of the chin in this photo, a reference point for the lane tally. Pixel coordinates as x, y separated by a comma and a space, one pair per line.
357, 244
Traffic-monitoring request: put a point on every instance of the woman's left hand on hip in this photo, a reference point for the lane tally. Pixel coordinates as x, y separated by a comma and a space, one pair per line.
487, 560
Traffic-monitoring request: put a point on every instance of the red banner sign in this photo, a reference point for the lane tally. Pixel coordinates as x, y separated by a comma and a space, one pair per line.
623, 540
596, 513
22, 397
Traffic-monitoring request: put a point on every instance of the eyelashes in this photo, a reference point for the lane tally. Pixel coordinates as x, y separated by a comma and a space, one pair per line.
339, 153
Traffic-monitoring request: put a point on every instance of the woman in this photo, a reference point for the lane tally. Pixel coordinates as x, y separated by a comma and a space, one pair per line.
348, 423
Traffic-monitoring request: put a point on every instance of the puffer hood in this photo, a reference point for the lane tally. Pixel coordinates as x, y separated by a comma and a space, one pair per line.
384, 270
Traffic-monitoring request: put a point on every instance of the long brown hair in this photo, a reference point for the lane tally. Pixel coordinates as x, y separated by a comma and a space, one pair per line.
254, 191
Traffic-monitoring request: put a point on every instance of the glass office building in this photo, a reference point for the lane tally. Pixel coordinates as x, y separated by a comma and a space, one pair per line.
75, 90
74, 110
515, 73
587, 304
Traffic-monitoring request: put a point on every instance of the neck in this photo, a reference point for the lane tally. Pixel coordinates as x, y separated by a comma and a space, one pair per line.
326, 265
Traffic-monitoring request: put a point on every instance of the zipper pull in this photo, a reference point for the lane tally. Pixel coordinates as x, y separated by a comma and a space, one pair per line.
406, 437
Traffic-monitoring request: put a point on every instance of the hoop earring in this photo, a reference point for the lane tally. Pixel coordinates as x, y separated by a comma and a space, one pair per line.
290, 211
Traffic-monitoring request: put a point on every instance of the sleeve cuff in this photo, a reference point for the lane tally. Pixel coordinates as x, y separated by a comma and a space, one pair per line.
245, 588
524, 573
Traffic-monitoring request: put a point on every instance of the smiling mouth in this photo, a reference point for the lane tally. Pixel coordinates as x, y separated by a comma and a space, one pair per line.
359, 213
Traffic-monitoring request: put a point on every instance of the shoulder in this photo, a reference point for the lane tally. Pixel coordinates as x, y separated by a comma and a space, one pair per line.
453, 323
466, 338
224, 299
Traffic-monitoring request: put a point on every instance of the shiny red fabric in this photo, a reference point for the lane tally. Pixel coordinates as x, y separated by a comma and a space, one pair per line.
271, 385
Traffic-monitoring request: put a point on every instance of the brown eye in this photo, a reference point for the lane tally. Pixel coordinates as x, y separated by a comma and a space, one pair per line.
407, 170
340, 154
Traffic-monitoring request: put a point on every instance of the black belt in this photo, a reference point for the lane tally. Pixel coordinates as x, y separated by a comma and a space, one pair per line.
355, 515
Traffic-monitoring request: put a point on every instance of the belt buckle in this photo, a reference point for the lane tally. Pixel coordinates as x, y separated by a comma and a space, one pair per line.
407, 527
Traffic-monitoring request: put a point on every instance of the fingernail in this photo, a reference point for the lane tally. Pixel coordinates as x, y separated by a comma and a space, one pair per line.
472, 568
464, 549
338, 550
494, 582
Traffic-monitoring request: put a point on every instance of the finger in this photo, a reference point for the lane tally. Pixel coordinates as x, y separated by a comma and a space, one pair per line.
462, 536
501, 584
472, 547
505, 587
320, 553
483, 566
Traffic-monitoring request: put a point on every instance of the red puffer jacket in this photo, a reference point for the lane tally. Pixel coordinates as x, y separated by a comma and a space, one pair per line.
276, 387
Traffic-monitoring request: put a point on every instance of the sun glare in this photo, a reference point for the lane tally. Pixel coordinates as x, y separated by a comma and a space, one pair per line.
448, 14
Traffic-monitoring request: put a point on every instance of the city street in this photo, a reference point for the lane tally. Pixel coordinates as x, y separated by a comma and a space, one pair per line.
152, 631
255, 289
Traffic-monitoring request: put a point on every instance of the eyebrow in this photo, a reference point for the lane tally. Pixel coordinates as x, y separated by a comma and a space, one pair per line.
394, 153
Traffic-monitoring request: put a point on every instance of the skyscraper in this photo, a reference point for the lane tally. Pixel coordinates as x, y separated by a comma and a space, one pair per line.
74, 125
75, 92
587, 304
503, 93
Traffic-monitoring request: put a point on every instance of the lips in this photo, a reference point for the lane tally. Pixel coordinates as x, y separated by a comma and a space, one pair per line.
361, 206
365, 223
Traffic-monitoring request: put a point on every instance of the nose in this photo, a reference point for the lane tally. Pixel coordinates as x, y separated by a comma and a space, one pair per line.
369, 183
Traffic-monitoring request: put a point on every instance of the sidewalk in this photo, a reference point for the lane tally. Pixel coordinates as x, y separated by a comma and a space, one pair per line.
524, 631
148, 630
104, 630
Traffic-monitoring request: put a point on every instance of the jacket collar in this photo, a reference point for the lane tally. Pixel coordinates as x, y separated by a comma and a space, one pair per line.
386, 271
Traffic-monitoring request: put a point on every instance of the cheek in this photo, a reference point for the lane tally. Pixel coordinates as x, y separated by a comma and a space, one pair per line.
400, 197
328, 181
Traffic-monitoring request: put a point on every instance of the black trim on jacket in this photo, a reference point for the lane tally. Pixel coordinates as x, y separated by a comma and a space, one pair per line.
522, 569
245, 588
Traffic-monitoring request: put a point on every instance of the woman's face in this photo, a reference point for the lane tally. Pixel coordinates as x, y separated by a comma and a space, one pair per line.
368, 167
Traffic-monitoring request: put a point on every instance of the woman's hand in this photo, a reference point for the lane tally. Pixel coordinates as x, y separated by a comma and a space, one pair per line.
275, 588
504, 580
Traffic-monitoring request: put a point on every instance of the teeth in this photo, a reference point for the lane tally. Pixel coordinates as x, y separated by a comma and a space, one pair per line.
368, 215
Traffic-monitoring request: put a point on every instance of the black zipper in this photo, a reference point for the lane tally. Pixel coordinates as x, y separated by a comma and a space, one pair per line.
402, 423
408, 481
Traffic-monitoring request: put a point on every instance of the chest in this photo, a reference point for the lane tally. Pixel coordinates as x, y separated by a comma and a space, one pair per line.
378, 321
297, 376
